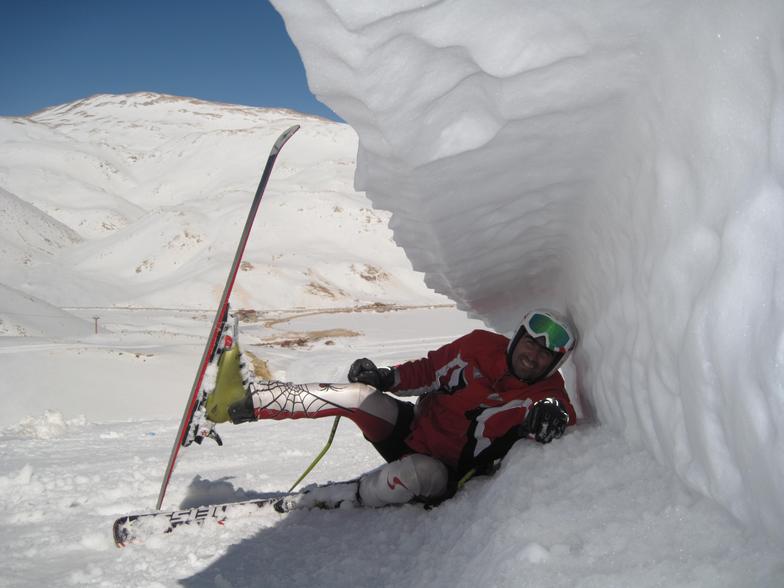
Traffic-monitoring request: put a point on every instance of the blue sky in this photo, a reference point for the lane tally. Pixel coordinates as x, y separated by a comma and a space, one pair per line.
57, 51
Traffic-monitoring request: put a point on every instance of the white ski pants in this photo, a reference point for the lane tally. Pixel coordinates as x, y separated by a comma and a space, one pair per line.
400, 481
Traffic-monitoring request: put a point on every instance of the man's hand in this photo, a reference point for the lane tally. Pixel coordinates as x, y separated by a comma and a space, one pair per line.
546, 420
365, 371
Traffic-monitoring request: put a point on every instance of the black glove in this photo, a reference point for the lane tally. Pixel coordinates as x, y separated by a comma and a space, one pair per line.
546, 420
365, 371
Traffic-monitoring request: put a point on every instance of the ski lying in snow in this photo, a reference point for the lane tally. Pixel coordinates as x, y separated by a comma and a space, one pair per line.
136, 528
192, 426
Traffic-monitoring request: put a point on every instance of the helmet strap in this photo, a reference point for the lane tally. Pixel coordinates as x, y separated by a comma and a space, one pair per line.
551, 368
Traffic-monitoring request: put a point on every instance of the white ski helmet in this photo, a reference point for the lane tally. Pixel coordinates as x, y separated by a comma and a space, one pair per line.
559, 335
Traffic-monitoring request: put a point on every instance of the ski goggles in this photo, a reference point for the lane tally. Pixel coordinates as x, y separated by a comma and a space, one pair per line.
557, 337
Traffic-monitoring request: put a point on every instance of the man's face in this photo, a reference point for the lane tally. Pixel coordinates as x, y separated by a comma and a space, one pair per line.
530, 358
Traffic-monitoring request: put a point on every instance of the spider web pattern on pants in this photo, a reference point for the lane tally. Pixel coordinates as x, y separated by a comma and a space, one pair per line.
287, 398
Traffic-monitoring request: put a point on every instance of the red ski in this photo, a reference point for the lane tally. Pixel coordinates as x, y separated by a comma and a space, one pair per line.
219, 337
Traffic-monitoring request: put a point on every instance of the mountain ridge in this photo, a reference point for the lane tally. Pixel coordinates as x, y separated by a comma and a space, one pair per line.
156, 188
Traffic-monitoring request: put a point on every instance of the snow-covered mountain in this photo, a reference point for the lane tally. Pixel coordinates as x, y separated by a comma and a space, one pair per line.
621, 159
139, 200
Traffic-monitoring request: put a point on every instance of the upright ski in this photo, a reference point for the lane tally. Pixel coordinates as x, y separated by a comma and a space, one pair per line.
217, 340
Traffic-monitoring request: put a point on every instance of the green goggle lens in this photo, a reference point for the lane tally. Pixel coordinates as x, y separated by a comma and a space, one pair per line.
557, 337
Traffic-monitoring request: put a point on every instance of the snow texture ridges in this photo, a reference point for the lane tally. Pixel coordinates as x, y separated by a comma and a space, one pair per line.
620, 159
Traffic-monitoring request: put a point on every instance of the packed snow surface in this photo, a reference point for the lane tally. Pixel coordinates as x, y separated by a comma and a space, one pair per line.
585, 511
621, 159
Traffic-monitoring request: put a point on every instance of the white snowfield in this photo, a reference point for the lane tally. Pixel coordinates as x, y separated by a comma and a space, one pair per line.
88, 419
621, 159
585, 511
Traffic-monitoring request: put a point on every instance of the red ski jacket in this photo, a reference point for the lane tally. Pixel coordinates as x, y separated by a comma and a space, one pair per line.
470, 406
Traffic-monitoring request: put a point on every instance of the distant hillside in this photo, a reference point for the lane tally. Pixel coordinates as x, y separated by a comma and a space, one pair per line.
28, 234
25, 315
139, 199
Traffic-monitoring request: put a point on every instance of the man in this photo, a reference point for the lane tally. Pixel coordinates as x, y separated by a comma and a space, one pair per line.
475, 396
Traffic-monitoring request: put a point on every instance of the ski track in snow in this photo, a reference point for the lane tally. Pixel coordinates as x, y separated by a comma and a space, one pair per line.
587, 510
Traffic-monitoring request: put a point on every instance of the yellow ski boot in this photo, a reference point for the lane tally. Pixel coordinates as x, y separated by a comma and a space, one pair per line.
230, 388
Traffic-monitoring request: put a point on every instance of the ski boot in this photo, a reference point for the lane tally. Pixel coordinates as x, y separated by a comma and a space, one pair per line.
326, 496
200, 426
231, 399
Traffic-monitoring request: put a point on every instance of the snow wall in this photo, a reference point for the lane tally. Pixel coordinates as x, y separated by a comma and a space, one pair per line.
621, 159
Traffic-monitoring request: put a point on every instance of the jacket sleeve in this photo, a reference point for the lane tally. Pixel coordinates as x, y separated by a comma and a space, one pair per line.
491, 434
441, 369
483, 463
493, 431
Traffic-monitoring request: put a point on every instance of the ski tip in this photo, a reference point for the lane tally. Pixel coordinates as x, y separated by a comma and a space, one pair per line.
284, 136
